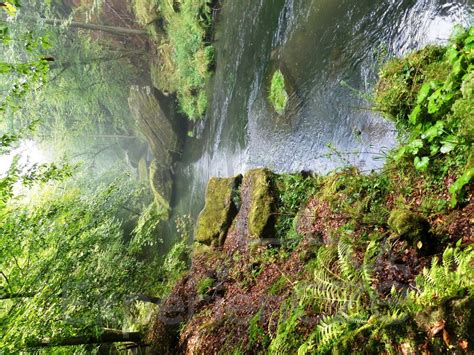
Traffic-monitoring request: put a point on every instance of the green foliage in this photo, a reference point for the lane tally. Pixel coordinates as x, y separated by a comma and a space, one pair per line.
456, 188
67, 251
204, 285
293, 191
257, 334
429, 94
187, 29
449, 278
145, 231
24, 72
277, 94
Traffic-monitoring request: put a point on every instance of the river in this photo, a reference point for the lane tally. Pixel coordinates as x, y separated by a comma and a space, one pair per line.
333, 50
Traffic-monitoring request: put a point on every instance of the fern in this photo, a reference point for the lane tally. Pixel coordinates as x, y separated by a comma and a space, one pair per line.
452, 277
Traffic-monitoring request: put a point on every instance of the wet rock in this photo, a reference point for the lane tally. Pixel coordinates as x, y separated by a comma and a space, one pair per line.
260, 218
288, 119
161, 183
409, 226
154, 124
162, 139
142, 169
219, 211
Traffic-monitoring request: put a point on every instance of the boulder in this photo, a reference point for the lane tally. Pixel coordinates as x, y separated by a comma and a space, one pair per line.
142, 169
154, 124
219, 211
409, 225
162, 139
260, 217
161, 183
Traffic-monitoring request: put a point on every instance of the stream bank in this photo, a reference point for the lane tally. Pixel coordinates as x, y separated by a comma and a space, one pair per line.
347, 261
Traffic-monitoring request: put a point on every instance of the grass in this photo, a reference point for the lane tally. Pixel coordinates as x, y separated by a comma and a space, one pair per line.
277, 95
186, 54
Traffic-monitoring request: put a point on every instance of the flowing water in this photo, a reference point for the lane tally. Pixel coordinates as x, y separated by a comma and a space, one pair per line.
332, 50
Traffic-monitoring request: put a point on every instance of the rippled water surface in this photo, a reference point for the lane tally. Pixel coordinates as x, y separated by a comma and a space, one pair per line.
322, 44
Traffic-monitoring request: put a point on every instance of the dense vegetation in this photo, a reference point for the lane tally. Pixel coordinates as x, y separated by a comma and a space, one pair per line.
347, 262
181, 31
289, 263
75, 236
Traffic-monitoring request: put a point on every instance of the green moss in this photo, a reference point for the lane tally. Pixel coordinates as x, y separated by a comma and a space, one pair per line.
218, 213
260, 213
161, 185
401, 78
145, 11
205, 285
409, 225
277, 95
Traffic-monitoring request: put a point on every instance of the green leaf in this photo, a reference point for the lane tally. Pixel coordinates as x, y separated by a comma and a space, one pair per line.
414, 115
423, 93
434, 148
435, 101
456, 188
415, 146
452, 54
449, 144
421, 164
434, 131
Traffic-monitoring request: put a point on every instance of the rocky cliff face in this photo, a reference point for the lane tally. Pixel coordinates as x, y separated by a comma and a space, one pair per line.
161, 137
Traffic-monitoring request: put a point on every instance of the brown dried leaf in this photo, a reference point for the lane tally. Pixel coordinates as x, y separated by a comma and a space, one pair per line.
463, 344
446, 338
437, 327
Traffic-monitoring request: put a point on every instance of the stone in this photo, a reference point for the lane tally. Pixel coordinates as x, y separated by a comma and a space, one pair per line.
161, 183
219, 211
154, 124
260, 217
142, 169
409, 225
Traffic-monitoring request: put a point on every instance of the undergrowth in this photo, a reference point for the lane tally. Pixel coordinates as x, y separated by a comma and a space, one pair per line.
187, 26
430, 96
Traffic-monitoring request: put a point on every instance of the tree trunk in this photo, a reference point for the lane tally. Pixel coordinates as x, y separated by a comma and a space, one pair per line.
94, 27
107, 336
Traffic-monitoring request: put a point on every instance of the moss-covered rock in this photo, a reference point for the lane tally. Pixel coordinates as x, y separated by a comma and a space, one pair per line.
260, 218
409, 225
161, 183
142, 169
219, 211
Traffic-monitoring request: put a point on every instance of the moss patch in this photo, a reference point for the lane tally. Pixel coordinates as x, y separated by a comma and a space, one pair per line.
408, 225
277, 96
161, 184
219, 211
260, 213
205, 285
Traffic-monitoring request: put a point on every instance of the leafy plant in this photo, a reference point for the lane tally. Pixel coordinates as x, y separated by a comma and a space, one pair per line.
433, 85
